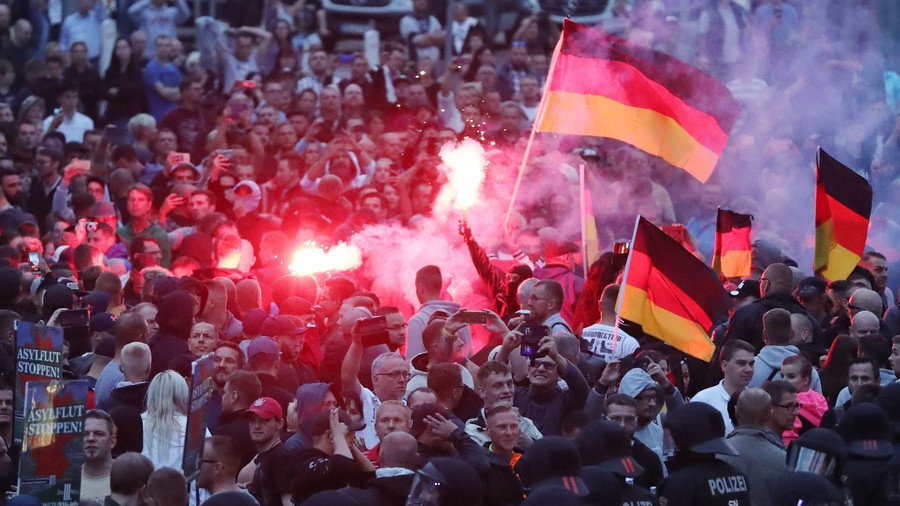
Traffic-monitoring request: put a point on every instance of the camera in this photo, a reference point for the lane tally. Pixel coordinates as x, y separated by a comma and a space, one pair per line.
91, 226
373, 331
531, 339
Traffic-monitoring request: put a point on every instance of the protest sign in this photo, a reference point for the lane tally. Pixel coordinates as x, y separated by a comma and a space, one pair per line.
38, 357
201, 388
52, 453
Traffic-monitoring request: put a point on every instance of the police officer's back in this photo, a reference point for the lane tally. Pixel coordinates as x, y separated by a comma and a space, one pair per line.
867, 431
697, 476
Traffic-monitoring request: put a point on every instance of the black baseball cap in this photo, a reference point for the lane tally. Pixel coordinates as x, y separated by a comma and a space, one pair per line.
867, 431
810, 287
698, 427
746, 288
552, 461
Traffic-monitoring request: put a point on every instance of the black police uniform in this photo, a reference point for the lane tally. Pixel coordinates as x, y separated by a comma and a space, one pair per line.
635, 495
706, 481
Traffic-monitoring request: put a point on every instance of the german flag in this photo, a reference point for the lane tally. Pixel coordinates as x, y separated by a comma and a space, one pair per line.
602, 86
843, 206
673, 295
731, 255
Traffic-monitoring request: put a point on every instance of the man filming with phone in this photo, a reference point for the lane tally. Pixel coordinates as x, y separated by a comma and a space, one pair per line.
543, 401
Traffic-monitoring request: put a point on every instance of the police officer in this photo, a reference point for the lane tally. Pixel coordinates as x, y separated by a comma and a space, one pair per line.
806, 489
868, 433
607, 445
822, 452
698, 477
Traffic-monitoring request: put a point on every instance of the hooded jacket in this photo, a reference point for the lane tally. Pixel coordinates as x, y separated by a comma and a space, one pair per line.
769, 360
417, 324
176, 315
633, 383
130, 395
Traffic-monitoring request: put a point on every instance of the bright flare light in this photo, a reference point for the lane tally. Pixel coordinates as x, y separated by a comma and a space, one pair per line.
312, 258
464, 165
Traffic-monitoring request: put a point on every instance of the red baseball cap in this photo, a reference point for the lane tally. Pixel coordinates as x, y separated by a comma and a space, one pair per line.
266, 408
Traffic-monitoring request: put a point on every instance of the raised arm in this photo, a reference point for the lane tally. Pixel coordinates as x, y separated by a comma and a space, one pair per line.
350, 367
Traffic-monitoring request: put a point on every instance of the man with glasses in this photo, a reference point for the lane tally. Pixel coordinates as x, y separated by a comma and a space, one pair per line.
390, 374
648, 385
784, 406
762, 453
775, 286
864, 299
219, 467
543, 401
622, 409
396, 326
545, 303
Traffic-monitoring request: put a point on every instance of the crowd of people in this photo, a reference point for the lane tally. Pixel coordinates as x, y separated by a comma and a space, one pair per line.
160, 170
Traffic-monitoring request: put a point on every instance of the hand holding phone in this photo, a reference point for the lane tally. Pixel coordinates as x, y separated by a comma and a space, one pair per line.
34, 261
173, 159
531, 338
471, 317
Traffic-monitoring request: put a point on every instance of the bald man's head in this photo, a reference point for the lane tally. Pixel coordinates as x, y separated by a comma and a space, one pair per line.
130, 328
866, 300
777, 278
754, 407
399, 449
865, 323
130, 472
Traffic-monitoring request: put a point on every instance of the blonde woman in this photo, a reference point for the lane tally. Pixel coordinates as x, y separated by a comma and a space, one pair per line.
165, 420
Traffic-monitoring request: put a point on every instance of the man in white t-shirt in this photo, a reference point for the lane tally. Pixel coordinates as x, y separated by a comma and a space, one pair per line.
68, 121
738, 358
99, 440
602, 338
390, 373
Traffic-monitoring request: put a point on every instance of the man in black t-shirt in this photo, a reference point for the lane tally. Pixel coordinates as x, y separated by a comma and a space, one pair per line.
271, 483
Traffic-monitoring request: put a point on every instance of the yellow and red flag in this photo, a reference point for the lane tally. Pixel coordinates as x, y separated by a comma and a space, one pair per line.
843, 206
672, 294
731, 255
602, 86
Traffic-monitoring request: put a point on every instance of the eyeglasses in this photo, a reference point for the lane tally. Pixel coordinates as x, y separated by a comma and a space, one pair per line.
650, 397
854, 308
622, 420
396, 375
548, 366
793, 406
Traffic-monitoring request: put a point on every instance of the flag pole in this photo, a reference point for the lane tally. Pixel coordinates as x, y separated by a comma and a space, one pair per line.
534, 126
637, 222
584, 248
